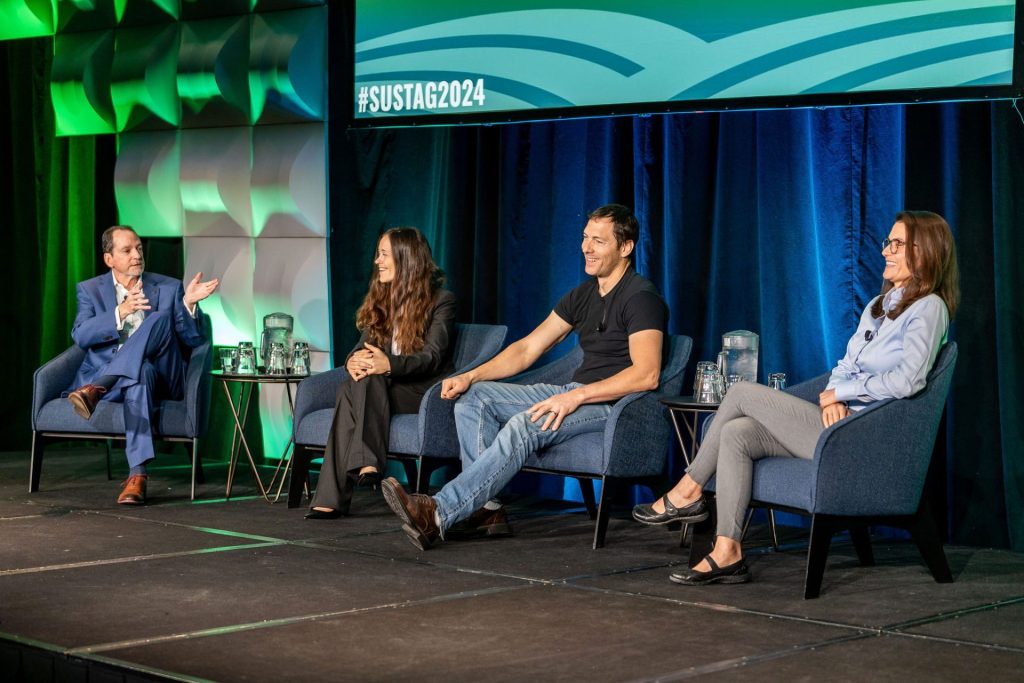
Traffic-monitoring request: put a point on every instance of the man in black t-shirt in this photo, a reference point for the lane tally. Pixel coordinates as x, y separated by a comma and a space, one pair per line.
620, 319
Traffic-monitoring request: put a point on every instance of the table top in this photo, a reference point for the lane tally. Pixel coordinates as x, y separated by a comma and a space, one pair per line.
261, 378
688, 403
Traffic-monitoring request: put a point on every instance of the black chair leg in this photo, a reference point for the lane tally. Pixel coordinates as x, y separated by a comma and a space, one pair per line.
197, 462
36, 464
862, 544
301, 457
110, 475
412, 470
929, 542
703, 539
197, 468
608, 485
587, 491
823, 527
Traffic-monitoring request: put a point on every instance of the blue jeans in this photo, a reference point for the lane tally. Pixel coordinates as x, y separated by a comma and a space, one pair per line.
496, 437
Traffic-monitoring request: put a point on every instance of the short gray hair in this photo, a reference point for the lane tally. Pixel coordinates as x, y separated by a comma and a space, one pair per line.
107, 239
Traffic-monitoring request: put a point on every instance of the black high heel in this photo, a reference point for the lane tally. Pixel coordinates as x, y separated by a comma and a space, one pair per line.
369, 480
323, 514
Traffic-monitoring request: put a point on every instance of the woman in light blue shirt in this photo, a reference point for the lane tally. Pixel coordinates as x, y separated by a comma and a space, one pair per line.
889, 356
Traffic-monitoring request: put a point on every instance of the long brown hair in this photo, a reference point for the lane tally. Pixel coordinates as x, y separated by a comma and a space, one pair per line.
400, 309
931, 258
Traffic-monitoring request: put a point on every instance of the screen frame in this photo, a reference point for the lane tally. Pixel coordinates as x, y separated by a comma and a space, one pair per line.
1012, 91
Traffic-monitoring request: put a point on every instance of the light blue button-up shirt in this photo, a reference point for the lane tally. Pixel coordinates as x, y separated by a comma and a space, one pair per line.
891, 358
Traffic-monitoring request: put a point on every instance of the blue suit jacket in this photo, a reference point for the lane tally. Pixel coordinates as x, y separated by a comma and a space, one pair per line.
95, 331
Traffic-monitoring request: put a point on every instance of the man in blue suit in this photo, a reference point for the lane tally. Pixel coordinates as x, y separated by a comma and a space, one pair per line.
133, 327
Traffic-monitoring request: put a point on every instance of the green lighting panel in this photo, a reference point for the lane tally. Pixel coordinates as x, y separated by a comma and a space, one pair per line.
213, 72
286, 66
146, 183
80, 83
27, 18
143, 81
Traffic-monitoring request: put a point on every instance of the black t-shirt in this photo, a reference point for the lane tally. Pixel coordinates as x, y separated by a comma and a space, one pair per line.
605, 323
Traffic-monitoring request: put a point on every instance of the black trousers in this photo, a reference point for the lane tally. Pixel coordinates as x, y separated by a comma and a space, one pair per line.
359, 433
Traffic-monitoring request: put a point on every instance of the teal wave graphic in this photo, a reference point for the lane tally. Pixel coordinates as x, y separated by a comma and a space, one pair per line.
571, 48
539, 59
1000, 78
892, 67
956, 19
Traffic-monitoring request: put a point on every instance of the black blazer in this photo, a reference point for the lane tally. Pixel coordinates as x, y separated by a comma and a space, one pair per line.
436, 356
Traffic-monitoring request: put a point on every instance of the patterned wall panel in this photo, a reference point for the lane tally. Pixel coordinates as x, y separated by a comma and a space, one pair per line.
286, 74
289, 183
213, 65
215, 172
289, 276
80, 83
146, 183
143, 79
94, 15
27, 18
231, 308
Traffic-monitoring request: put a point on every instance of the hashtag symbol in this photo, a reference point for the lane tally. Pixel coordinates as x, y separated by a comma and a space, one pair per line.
363, 97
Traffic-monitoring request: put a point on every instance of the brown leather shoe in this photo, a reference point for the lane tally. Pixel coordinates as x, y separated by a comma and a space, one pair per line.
415, 511
482, 523
84, 399
134, 491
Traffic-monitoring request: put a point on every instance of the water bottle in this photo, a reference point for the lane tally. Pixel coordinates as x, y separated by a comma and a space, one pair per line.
740, 349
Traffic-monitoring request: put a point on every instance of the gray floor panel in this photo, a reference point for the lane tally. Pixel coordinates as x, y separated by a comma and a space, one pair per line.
1002, 625
879, 659
541, 633
62, 536
101, 604
899, 588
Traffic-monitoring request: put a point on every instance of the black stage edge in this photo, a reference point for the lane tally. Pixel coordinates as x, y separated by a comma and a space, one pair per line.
242, 590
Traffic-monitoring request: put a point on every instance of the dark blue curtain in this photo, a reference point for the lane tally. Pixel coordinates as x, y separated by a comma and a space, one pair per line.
769, 221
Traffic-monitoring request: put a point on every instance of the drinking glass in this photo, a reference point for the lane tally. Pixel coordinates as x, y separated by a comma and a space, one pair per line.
277, 364
300, 358
246, 359
229, 360
777, 380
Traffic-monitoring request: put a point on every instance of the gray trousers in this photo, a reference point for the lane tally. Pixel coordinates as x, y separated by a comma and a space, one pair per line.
753, 422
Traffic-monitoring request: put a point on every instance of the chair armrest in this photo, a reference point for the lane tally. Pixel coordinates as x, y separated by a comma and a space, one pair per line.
54, 377
438, 435
317, 392
197, 389
861, 472
636, 435
810, 389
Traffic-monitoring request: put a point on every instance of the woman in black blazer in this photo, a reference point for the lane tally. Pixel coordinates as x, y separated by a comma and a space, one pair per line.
407, 323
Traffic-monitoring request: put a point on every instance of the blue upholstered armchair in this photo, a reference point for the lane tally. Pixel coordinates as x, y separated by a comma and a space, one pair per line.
868, 469
634, 444
415, 439
53, 418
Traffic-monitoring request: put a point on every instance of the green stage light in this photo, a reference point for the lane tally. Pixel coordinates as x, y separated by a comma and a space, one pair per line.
146, 183
27, 18
143, 79
212, 67
80, 83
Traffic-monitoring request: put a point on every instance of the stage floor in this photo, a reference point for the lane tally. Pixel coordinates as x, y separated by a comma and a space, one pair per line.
242, 590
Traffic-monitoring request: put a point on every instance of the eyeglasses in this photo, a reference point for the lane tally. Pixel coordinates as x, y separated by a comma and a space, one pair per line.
893, 246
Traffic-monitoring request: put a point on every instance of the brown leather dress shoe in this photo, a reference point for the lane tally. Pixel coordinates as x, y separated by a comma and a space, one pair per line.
415, 511
84, 399
134, 491
482, 523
